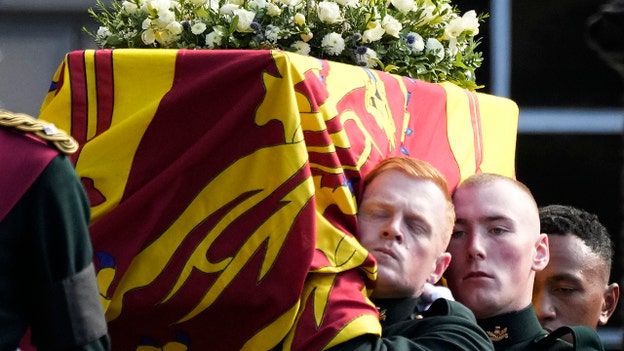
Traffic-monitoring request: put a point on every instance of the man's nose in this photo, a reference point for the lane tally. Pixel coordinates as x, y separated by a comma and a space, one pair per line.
393, 230
476, 246
544, 309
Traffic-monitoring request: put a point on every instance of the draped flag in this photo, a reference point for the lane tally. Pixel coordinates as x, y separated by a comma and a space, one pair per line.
224, 186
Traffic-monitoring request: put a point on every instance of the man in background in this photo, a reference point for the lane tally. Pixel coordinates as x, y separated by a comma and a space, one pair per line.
574, 287
497, 248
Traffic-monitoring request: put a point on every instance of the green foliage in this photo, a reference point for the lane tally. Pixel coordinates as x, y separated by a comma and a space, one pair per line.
423, 39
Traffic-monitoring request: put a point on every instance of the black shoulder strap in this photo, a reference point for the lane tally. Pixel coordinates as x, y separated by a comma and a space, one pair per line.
584, 338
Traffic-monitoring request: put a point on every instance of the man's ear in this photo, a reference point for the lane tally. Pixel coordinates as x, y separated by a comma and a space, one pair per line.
610, 300
542, 253
441, 264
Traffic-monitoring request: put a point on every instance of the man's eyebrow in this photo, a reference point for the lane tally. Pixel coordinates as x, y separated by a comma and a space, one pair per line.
564, 277
494, 218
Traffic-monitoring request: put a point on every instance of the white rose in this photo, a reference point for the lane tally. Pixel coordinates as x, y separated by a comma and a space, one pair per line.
273, 10
373, 34
130, 7
328, 12
434, 47
306, 37
333, 43
228, 9
198, 28
289, 3
257, 4
299, 19
164, 18
348, 3
301, 47
404, 5
392, 26
174, 28
245, 18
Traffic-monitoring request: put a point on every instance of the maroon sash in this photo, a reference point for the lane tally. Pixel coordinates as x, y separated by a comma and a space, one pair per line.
22, 159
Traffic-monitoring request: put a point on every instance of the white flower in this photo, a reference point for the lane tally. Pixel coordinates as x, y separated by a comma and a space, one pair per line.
382, 32
453, 28
163, 19
154, 7
445, 9
428, 14
370, 57
289, 3
391, 25
333, 43
301, 47
214, 5
373, 34
245, 18
257, 4
348, 3
404, 5
130, 7
163, 37
228, 9
148, 36
471, 22
299, 19
328, 12
306, 36
272, 33
213, 39
198, 28
452, 47
273, 10
103, 32
415, 42
434, 47
146, 23
174, 28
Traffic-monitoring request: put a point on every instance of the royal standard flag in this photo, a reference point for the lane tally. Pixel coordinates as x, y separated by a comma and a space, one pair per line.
224, 186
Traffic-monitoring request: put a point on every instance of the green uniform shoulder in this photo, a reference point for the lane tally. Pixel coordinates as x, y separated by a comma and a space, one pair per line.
41, 129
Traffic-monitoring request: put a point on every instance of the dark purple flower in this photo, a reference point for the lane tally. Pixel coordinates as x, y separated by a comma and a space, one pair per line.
361, 50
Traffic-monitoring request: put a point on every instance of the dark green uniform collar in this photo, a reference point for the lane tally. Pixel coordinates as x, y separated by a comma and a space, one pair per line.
396, 310
512, 328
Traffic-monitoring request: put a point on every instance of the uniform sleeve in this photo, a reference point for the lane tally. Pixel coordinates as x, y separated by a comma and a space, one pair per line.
66, 312
447, 326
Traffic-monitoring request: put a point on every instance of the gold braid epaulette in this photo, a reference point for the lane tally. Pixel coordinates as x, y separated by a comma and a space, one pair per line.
44, 130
